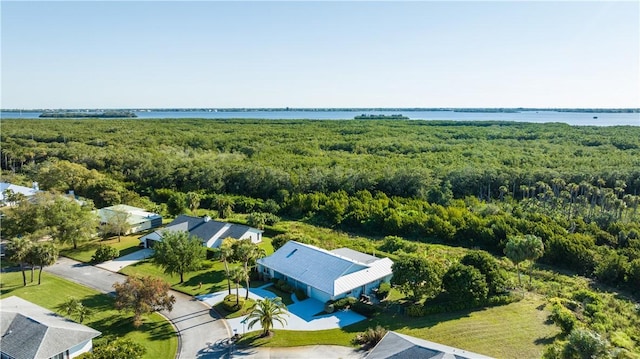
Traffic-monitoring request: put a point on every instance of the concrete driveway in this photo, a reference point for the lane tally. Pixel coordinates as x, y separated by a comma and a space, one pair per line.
121, 262
197, 325
303, 315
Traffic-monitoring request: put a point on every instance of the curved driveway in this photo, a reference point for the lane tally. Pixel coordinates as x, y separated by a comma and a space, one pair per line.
197, 324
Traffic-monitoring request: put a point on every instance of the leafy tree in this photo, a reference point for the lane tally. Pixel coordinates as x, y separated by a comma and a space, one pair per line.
584, 344
18, 250
70, 221
178, 253
465, 284
120, 348
416, 277
266, 312
117, 223
516, 251
488, 266
177, 203
143, 295
612, 267
42, 255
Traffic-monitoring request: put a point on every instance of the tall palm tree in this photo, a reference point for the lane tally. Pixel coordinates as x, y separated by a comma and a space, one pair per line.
247, 252
226, 252
237, 275
266, 312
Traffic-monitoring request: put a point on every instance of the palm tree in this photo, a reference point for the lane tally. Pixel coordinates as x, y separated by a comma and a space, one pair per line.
237, 275
247, 252
515, 250
19, 251
226, 252
44, 254
266, 312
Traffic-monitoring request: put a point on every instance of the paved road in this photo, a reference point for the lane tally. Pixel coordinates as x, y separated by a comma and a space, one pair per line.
198, 326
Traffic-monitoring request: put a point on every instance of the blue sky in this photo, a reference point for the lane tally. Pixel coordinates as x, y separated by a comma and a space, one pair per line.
320, 54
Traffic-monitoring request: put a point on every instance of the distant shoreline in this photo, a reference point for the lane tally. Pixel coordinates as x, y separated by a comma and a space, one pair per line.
346, 109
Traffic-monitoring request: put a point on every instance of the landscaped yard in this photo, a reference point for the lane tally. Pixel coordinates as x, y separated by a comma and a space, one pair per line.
84, 252
156, 334
517, 330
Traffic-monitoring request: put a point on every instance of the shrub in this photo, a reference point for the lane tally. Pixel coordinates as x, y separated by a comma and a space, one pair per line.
105, 253
563, 318
415, 310
229, 303
300, 294
344, 303
383, 290
371, 336
365, 309
328, 307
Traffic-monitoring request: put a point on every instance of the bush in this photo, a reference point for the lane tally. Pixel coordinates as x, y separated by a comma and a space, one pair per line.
415, 310
344, 303
371, 336
365, 309
563, 318
105, 253
300, 294
328, 307
383, 291
229, 303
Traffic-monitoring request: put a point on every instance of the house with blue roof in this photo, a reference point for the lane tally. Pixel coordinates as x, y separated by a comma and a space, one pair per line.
326, 275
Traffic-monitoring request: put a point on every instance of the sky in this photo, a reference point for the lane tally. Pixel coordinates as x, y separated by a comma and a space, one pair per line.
210, 54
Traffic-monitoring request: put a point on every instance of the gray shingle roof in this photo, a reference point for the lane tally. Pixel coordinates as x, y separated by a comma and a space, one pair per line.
399, 346
30, 331
205, 229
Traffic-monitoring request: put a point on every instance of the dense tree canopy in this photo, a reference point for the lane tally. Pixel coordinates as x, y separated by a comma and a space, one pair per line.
179, 253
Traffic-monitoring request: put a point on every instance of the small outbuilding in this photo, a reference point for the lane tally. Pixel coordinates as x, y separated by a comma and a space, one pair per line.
211, 232
326, 275
29, 331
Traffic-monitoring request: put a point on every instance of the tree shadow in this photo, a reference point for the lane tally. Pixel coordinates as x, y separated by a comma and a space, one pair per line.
547, 340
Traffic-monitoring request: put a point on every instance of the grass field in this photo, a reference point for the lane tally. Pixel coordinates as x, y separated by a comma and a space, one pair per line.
84, 252
517, 330
156, 334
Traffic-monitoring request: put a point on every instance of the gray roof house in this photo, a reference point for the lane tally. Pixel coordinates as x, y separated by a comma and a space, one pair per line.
31, 332
399, 346
326, 275
209, 231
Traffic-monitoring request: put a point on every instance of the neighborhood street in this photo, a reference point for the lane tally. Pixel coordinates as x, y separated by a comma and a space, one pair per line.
197, 324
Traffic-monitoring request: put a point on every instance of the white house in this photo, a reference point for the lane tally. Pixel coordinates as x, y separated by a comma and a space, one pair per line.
29, 331
7, 188
138, 218
396, 345
326, 275
211, 232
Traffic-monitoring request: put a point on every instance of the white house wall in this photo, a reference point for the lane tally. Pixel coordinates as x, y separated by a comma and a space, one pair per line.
81, 349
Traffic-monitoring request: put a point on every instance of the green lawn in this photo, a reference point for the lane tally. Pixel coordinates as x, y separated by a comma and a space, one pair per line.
156, 334
84, 252
517, 330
